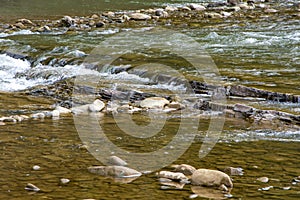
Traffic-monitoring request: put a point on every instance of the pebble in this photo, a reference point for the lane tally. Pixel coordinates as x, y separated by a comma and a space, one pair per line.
31, 187
115, 160
265, 188
36, 167
64, 180
175, 176
38, 116
232, 171
263, 179
193, 196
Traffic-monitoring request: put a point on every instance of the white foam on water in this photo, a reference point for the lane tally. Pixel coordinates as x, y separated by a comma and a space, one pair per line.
21, 32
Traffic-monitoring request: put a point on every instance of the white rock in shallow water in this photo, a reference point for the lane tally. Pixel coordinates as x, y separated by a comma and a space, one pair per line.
31, 187
55, 113
63, 110
8, 119
36, 167
185, 169
115, 160
139, 16
154, 102
263, 179
96, 106
197, 7
211, 178
38, 116
114, 171
64, 180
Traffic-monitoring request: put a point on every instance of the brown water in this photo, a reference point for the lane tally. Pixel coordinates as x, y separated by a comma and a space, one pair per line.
55, 146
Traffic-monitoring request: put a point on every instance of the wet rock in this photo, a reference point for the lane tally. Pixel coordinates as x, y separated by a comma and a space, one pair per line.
234, 171
36, 167
31, 187
25, 22
170, 9
161, 13
64, 180
185, 8
211, 178
286, 188
213, 15
63, 110
115, 160
263, 179
114, 171
174, 176
247, 110
265, 188
139, 16
95, 16
176, 105
270, 10
67, 21
185, 169
99, 24
38, 115
109, 14
96, 106
20, 25
80, 109
197, 7
2, 124
154, 102
8, 119
172, 184
44, 29
55, 114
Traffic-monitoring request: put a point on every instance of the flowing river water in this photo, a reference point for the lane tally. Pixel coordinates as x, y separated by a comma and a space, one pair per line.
262, 53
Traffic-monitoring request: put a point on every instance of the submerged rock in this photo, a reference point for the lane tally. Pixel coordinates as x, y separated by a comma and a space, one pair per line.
115, 160
234, 171
114, 171
211, 178
208, 193
263, 179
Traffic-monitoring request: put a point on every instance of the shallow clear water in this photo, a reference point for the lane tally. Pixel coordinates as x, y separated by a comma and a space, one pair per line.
262, 53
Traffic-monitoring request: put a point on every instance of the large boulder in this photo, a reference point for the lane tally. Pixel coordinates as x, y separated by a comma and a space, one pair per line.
211, 178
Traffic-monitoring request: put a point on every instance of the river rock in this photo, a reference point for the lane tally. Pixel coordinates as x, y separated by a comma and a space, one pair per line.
99, 24
31, 187
243, 108
8, 119
154, 102
55, 113
174, 176
234, 171
185, 169
233, 2
114, 171
161, 13
44, 29
211, 178
139, 16
20, 25
197, 7
38, 115
2, 123
213, 15
270, 10
96, 106
63, 110
170, 9
170, 183
26, 22
263, 179
115, 160
67, 21
64, 180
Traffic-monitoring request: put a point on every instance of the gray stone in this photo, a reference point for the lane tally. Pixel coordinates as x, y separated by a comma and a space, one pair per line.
211, 178
139, 16
114, 171
115, 160
31, 187
96, 106
233, 171
67, 21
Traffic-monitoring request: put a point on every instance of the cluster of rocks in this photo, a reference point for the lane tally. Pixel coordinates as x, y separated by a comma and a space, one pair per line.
193, 11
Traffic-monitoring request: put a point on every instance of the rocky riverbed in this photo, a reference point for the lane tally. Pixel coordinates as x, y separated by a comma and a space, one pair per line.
256, 152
